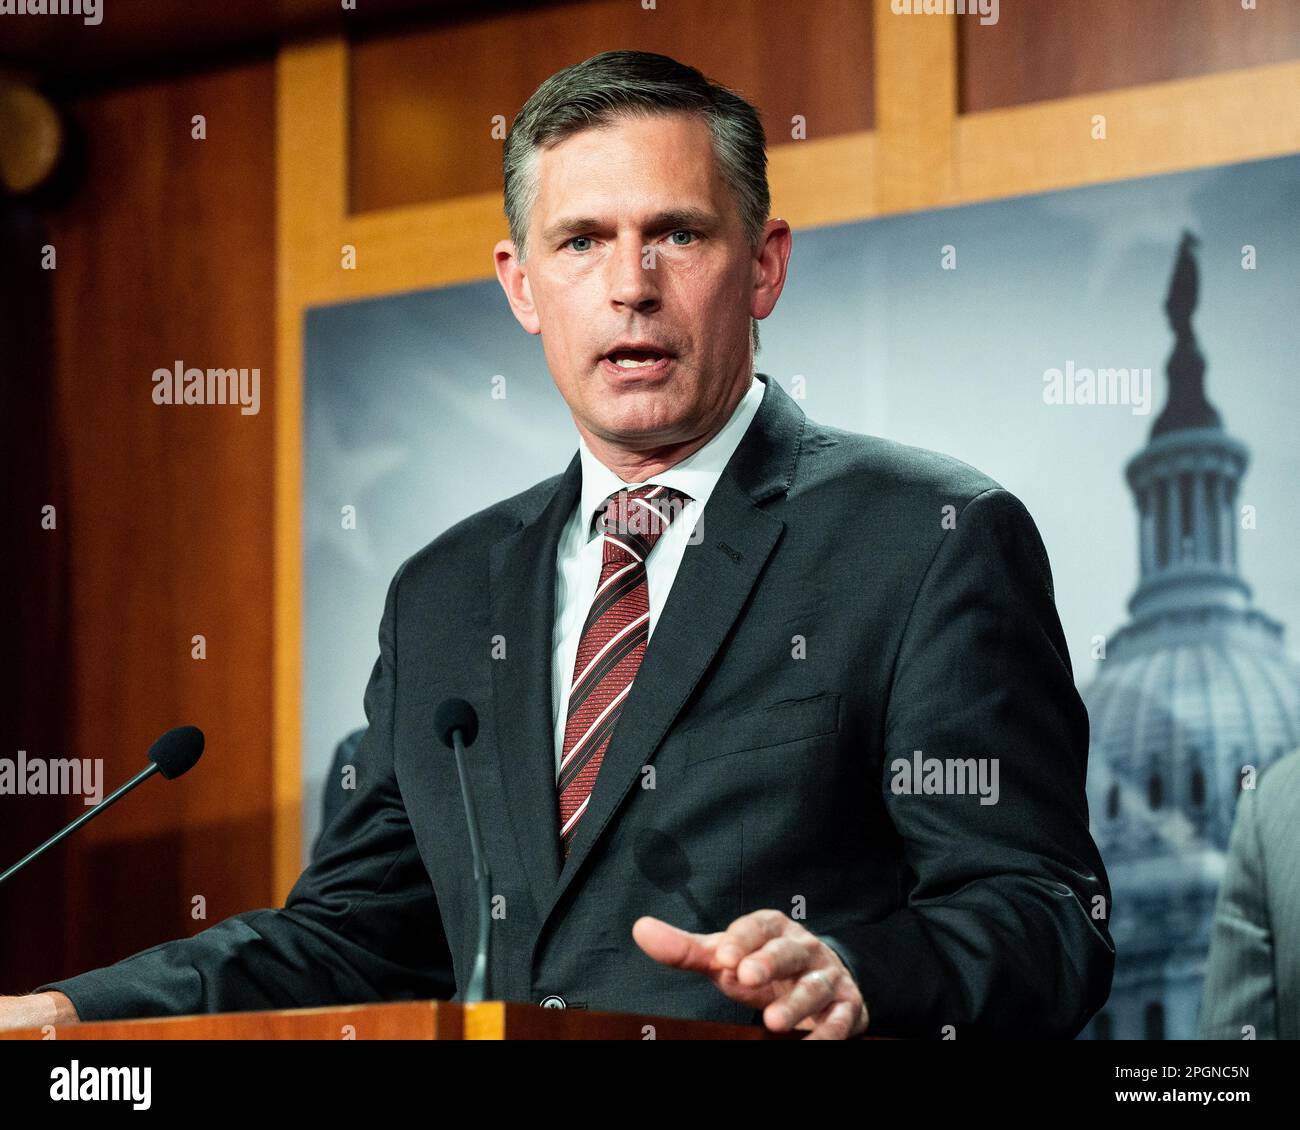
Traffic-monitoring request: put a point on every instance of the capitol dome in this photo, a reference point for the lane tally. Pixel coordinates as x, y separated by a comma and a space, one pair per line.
1195, 696
1182, 706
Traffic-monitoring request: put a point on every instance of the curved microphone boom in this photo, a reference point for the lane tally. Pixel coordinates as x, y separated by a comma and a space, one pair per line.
171, 755
457, 727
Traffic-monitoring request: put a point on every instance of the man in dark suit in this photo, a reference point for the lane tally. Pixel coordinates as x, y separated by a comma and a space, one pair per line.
777, 721
1252, 977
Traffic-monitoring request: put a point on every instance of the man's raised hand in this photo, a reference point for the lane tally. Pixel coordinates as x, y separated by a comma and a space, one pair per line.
767, 960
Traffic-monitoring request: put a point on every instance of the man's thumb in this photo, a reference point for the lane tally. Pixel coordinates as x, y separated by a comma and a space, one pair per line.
671, 946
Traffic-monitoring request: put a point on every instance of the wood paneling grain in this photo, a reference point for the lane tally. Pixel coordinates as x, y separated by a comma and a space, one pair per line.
1058, 48
422, 103
33, 574
165, 251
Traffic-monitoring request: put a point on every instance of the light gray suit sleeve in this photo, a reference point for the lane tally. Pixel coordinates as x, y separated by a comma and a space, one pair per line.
1240, 989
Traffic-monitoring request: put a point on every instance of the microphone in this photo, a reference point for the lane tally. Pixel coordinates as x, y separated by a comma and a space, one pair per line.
171, 755
457, 727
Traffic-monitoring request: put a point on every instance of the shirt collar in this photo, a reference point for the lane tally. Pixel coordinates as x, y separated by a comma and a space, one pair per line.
696, 475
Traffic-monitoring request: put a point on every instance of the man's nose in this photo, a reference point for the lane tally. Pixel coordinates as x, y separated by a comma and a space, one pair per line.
634, 282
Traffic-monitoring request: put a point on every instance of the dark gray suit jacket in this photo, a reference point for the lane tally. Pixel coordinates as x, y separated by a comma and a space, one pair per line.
829, 621
1253, 978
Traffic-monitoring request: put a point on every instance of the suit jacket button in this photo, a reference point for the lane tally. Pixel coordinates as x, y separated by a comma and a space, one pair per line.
553, 1001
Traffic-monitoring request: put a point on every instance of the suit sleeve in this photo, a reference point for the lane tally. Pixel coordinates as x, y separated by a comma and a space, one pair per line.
1005, 927
1240, 990
360, 925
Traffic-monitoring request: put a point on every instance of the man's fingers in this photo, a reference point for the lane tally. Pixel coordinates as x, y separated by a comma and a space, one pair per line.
756, 997
747, 933
809, 996
836, 1022
672, 946
783, 957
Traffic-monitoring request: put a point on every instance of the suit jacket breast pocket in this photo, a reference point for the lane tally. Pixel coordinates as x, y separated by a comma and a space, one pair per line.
778, 724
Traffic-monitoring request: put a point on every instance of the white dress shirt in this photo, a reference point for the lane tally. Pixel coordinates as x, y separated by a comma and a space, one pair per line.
581, 549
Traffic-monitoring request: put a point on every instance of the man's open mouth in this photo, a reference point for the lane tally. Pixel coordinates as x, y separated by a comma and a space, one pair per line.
635, 358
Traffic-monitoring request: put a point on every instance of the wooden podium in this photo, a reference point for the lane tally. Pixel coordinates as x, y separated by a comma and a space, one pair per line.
410, 1020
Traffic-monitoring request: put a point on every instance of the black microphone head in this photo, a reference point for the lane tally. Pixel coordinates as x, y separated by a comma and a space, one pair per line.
177, 751
455, 714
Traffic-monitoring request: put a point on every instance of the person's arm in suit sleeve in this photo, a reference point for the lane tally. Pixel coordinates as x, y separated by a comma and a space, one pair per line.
1239, 984
999, 934
361, 924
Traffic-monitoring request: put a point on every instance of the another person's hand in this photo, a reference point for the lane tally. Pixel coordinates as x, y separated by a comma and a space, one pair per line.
36, 1010
767, 960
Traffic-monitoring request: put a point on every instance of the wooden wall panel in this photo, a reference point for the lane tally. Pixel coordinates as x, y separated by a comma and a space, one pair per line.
33, 575
165, 251
422, 102
1058, 48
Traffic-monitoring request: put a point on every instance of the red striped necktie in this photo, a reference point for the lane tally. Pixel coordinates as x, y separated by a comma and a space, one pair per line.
612, 643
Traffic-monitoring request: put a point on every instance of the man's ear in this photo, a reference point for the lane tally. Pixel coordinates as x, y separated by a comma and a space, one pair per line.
514, 281
770, 266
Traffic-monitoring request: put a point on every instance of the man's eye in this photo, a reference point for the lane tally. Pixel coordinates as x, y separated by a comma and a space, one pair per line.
570, 242
683, 231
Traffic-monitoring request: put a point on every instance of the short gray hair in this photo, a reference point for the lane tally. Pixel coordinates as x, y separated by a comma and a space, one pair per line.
617, 84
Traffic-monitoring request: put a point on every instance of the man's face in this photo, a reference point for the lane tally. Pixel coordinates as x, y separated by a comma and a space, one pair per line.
635, 238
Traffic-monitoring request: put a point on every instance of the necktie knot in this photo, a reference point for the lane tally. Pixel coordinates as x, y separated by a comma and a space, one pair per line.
633, 520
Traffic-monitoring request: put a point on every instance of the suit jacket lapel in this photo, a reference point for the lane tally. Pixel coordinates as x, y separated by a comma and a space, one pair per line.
521, 601
711, 587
